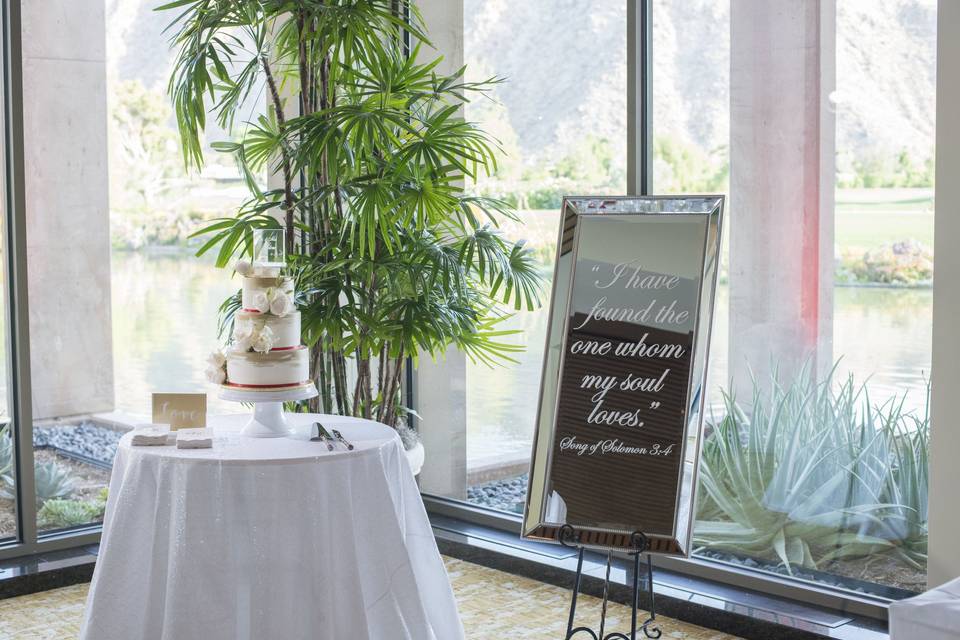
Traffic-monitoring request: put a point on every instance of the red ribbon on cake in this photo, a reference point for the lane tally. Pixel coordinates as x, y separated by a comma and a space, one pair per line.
266, 386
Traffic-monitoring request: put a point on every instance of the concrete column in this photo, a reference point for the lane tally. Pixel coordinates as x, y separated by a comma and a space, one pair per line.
440, 388
943, 563
440, 394
782, 63
68, 222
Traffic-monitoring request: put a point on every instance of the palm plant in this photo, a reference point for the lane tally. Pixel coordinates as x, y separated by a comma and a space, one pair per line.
393, 258
811, 474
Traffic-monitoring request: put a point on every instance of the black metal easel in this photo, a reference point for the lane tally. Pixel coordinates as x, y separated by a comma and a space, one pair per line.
639, 543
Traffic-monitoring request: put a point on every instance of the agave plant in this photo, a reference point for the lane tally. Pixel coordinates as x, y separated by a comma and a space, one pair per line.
6, 449
52, 481
393, 257
811, 474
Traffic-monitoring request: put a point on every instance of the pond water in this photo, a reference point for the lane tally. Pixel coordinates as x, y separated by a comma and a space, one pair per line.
165, 324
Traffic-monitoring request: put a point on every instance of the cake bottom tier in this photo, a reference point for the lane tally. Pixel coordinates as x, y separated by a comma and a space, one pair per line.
273, 369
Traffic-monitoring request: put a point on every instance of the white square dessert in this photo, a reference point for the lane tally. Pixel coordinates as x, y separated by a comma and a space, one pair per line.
194, 438
150, 435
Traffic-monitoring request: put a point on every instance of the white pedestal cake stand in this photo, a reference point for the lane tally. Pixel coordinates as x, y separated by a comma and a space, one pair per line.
268, 419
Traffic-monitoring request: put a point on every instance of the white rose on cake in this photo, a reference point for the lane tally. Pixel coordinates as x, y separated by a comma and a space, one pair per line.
217, 359
263, 341
217, 367
261, 301
243, 267
281, 304
244, 335
216, 375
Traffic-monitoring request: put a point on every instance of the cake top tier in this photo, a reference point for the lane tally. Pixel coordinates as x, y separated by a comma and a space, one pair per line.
246, 269
268, 295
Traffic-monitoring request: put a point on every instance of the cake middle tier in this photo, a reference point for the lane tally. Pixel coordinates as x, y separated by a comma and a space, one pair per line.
271, 369
285, 329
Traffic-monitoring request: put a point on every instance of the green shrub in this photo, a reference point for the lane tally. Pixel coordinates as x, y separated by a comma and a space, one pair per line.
60, 514
808, 474
548, 196
875, 167
902, 263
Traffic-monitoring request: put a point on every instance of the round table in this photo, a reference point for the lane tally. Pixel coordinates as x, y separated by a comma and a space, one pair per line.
269, 539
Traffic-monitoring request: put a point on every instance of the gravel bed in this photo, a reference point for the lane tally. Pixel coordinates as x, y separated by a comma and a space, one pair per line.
86, 438
772, 567
506, 495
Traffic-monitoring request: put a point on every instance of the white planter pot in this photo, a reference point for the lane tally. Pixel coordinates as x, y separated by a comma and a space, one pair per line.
415, 457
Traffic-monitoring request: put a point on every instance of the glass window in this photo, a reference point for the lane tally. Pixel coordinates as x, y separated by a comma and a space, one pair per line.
815, 461
560, 115
822, 333
120, 307
165, 300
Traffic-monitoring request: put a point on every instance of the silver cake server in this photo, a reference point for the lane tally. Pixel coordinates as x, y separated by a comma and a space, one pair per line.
323, 435
339, 436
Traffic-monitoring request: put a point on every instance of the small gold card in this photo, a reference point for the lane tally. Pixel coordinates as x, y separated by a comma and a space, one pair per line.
180, 410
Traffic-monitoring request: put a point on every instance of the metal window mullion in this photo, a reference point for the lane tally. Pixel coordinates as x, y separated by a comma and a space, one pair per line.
401, 9
18, 315
639, 97
60, 541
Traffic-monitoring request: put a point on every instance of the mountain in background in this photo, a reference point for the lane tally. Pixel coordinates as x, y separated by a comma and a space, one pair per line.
564, 62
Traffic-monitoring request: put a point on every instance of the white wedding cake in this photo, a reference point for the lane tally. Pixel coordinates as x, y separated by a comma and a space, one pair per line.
264, 352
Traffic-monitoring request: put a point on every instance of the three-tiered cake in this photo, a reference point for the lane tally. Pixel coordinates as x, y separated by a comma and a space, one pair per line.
265, 351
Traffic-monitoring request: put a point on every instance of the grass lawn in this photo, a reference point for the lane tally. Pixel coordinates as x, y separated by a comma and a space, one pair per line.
865, 219
868, 218
868, 230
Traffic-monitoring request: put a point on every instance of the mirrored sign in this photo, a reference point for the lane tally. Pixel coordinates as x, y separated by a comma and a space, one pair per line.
619, 422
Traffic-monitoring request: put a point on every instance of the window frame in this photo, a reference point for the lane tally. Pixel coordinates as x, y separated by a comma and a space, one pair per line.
639, 181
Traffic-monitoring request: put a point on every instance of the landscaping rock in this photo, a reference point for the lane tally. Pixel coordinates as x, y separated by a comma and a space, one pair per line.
86, 439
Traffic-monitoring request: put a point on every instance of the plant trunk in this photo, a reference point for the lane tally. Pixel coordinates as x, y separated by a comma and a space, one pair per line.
324, 401
284, 157
358, 386
394, 390
333, 380
383, 364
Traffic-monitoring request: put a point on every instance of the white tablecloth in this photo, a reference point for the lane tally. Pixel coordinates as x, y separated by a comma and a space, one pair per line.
934, 615
269, 539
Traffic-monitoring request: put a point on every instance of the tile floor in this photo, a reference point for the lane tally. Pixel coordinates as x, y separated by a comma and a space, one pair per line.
525, 609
